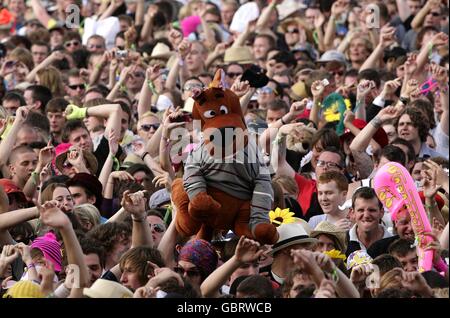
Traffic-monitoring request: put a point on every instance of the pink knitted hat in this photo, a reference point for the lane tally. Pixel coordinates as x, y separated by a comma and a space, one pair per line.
51, 249
190, 24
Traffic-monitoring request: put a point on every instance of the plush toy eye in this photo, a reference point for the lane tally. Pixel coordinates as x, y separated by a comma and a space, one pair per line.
223, 110
209, 114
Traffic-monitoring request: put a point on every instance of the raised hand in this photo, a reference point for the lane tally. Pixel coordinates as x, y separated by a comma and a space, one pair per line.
298, 107
317, 88
220, 48
429, 185
247, 250
324, 262
240, 88
438, 173
25, 252
134, 203
52, 216
440, 39
387, 36
46, 154
306, 261
113, 142
319, 20
8, 255
184, 48
364, 87
153, 72
411, 65
361, 272
327, 289
56, 56
21, 114
344, 224
175, 37
391, 86
121, 176
146, 292
415, 282
76, 158
46, 276
439, 73
388, 113
339, 7
412, 88
163, 180
45, 174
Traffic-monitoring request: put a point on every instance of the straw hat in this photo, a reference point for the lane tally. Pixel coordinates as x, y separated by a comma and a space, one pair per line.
238, 54
130, 160
91, 161
161, 51
330, 229
291, 234
298, 91
24, 289
289, 7
103, 288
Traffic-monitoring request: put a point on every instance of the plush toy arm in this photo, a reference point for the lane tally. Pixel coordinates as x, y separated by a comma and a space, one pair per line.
262, 200
193, 179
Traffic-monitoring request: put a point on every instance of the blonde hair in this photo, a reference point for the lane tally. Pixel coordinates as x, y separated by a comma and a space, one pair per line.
186, 10
87, 213
148, 114
288, 184
22, 55
51, 78
391, 279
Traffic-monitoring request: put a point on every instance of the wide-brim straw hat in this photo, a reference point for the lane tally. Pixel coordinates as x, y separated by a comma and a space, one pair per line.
161, 51
330, 229
238, 54
291, 234
103, 288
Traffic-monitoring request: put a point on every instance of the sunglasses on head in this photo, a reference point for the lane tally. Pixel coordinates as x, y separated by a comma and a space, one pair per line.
79, 86
147, 127
233, 75
265, 90
159, 228
71, 43
190, 272
192, 86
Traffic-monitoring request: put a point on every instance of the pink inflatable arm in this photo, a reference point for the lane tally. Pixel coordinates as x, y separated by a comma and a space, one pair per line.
395, 188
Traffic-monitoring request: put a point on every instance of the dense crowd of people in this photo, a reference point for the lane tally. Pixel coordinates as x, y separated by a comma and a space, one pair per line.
94, 95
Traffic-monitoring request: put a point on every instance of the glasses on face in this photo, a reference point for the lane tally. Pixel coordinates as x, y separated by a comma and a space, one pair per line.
71, 43
252, 105
265, 90
67, 165
328, 164
95, 46
138, 74
26, 240
159, 228
233, 75
189, 272
435, 14
147, 127
293, 31
337, 72
77, 86
190, 87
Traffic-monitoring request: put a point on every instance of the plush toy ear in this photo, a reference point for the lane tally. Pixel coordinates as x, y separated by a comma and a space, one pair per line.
218, 79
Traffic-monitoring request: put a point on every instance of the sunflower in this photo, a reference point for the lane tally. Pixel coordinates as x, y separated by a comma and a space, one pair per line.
279, 216
335, 254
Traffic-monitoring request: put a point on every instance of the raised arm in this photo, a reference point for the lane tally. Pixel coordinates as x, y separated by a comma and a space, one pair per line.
145, 97
113, 144
55, 56
387, 37
440, 74
134, 203
263, 20
403, 9
40, 13
53, 217
418, 20
8, 142
140, 11
247, 251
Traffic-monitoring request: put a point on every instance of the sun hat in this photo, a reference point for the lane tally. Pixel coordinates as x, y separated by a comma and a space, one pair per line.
298, 91
290, 234
51, 249
330, 229
103, 288
289, 7
332, 55
238, 54
161, 51
159, 198
24, 289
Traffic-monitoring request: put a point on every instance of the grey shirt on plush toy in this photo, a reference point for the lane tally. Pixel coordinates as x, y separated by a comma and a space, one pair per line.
243, 175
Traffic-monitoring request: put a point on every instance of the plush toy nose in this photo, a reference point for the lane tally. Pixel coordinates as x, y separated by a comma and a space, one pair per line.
223, 137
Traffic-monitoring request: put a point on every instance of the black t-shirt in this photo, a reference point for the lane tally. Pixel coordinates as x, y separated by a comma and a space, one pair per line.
381, 246
102, 153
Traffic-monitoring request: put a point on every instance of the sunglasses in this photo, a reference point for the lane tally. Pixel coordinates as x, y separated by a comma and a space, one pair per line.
67, 165
96, 46
27, 240
265, 90
138, 74
293, 31
147, 127
72, 43
190, 272
233, 75
435, 14
79, 86
159, 228
340, 72
192, 86
252, 105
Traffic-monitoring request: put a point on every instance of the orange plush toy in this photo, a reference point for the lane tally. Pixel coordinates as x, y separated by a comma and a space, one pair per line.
226, 185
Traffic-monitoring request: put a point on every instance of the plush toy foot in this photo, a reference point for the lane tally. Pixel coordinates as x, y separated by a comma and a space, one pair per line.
203, 207
266, 233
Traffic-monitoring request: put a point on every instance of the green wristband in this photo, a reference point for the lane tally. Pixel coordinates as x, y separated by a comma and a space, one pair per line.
152, 87
75, 112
